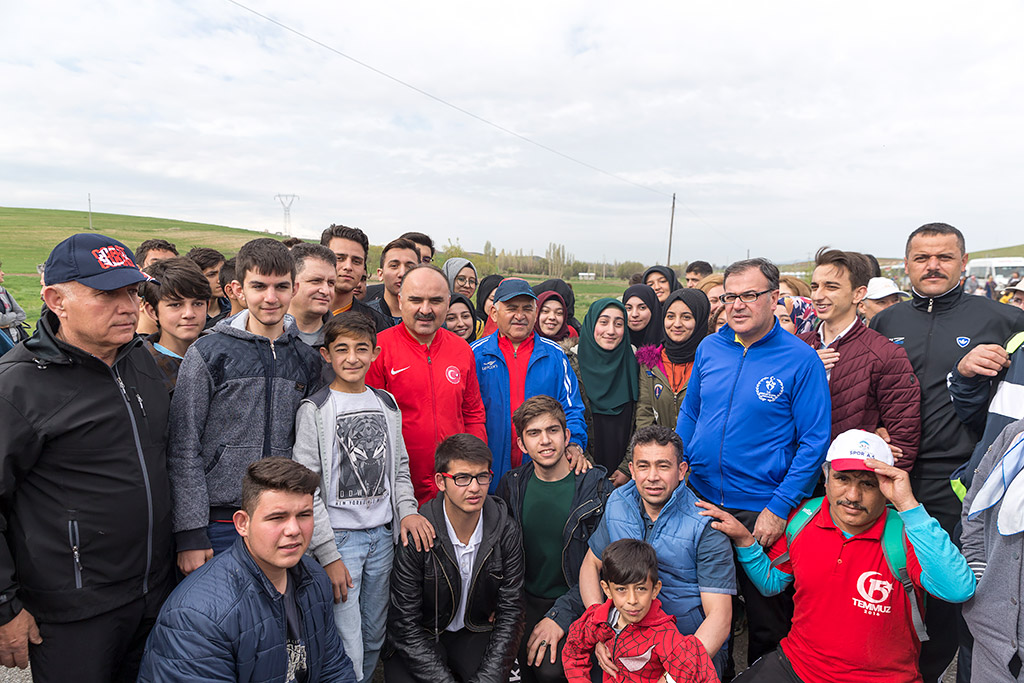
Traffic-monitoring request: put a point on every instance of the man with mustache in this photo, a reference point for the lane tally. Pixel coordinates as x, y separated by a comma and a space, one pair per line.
942, 327
430, 371
857, 603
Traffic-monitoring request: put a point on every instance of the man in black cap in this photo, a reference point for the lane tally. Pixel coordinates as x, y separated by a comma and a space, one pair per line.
85, 532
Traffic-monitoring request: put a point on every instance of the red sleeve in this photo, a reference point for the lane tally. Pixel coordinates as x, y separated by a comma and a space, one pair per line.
474, 418
376, 375
578, 645
684, 657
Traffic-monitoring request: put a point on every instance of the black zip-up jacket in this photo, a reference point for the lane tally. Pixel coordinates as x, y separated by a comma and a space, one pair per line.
585, 512
85, 510
426, 588
936, 333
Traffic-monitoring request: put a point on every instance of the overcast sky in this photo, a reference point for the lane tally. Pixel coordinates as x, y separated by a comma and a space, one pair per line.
781, 126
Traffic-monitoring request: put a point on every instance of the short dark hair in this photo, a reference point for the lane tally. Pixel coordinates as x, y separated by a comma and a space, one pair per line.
227, 273
854, 264
876, 268
767, 268
534, 407
663, 436
150, 245
419, 238
629, 560
350, 324
264, 255
176, 278
305, 251
461, 447
929, 229
702, 268
400, 243
292, 242
636, 279
276, 474
346, 233
205, 257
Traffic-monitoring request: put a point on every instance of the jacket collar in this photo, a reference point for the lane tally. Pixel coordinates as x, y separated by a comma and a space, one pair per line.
727, 333
494, 515
942, 302
297, 574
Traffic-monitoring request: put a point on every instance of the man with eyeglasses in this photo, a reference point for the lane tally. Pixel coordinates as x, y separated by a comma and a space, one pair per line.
756, 423
457, 608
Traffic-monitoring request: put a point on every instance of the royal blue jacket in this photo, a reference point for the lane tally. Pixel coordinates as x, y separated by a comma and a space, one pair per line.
756, 422
547, 373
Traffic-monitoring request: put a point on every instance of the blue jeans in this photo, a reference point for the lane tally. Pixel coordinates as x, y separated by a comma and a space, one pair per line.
367, 553
222, 536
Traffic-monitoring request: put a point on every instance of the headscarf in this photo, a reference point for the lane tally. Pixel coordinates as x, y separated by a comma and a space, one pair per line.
564, 290
451, 270
483, 290
700, 307
563, 331
670, 275
611, 378
655, 330
802, 313
464, 300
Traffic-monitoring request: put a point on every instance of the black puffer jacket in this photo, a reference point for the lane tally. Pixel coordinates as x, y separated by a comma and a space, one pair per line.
85, 512
426, 587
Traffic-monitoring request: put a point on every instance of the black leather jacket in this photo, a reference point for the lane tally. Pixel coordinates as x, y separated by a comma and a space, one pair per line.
585, 512
426, 587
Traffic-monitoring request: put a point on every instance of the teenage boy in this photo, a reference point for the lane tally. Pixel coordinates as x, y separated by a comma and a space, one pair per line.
350, 435
261, 610
397, 257
697, 271
148, 253
210, 261
457, 607
351, 249
176, 300
557, 511
870, 379
315, 275
232, 292
235, 402
644, 639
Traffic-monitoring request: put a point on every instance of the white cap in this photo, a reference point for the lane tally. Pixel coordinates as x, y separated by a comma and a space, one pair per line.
881, 287
849, 450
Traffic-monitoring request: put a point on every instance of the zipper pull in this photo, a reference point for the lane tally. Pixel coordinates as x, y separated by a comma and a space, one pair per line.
272, 351
78, 557
142, 406
120, 384
930, 302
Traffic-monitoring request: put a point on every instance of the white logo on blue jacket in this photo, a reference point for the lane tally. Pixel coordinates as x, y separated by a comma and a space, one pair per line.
769, 389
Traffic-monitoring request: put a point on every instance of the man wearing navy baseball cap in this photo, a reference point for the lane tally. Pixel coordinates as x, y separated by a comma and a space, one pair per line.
86, 554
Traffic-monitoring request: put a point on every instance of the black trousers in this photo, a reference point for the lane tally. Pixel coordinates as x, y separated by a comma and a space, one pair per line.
774, 667
547, 672
100, 649
462, 651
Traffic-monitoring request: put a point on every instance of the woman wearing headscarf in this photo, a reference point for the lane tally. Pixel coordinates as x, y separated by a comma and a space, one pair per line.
461, 318
461, 276
643, 316
663, 280
564, 290
609, 371
484, 299
552, 321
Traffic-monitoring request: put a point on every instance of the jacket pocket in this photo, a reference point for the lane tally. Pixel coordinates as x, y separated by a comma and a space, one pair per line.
74, 541
216, 459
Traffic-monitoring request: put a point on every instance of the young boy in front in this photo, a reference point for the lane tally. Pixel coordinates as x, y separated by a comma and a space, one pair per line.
642, 639
351, 436
177, 302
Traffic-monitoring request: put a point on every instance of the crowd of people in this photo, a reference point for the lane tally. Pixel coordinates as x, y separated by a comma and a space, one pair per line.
264, 468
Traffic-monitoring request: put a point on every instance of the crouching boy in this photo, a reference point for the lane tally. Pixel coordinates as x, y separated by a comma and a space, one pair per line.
643, 640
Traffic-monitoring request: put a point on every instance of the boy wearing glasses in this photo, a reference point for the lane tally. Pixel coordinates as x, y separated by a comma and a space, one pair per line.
457, 607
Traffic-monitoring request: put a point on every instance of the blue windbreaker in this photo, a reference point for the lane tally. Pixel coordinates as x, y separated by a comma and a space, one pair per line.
756, 422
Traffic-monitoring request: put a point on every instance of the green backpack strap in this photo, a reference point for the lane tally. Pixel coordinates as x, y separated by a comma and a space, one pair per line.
895, 551
804, 514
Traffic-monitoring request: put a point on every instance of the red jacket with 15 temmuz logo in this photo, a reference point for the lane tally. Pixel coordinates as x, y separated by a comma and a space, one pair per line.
437, 390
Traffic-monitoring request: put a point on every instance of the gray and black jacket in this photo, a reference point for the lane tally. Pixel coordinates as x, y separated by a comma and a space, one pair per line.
234, 403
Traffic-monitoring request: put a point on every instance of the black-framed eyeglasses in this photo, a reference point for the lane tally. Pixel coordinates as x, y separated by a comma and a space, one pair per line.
745, 297
465, 281
463, 480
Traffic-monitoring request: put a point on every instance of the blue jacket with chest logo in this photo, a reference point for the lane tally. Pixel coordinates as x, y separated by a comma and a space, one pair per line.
756, 422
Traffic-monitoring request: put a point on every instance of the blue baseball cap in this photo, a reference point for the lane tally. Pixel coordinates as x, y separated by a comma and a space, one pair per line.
96, 261
511, 287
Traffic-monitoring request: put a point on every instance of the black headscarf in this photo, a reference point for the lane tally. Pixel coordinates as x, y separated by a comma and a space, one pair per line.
483, 290
655, 330
564, 290
464, 300
700, 307
670, 275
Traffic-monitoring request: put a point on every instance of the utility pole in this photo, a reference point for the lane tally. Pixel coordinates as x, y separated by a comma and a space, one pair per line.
671, 225
90, 211
286, 203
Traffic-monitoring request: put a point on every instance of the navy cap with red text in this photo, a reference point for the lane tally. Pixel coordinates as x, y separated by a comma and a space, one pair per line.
96, 261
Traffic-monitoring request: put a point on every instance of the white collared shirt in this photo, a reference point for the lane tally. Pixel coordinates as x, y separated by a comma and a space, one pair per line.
465, 555
821, 336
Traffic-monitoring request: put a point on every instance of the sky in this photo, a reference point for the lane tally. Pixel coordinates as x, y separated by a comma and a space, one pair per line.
781, 127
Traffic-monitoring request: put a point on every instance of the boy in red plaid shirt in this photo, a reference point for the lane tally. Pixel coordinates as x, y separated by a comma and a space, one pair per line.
643, 640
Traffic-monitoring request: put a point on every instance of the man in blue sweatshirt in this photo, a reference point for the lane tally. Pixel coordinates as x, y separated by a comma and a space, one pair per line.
756, 423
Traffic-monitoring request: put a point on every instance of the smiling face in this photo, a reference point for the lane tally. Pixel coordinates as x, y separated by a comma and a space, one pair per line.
784, 318
544, 439
934, 263
854, 499
267, 296
715, 295
638, 315
279, 529
314, 288
610, 328
633, 601
515, 318
679, 322
657, 472
465, 282
459, 320
833, 295
350, 357
551, 317
659, 283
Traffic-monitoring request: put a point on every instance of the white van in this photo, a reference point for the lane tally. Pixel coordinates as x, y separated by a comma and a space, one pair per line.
1000, 268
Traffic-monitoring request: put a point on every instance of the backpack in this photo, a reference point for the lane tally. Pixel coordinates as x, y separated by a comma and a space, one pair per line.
893, 548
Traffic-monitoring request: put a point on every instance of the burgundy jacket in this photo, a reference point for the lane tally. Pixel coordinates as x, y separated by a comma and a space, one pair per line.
873, 385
